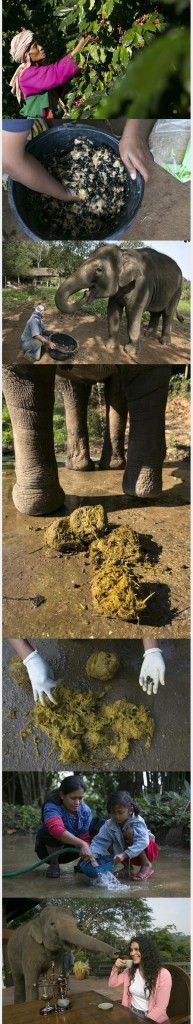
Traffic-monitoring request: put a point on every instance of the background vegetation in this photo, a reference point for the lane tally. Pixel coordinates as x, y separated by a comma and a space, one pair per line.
164, 798
115, 79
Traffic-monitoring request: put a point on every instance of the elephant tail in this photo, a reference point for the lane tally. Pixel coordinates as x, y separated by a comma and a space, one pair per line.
180, 317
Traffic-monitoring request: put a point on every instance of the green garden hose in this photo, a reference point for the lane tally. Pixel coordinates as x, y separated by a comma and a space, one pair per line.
12, 874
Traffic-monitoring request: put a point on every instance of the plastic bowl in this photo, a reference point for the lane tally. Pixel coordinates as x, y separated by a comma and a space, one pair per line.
61, 138
67, 346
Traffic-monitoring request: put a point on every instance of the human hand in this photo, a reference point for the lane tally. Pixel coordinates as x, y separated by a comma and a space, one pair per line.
119, 962
50, 344
86, 853
82, 42
119, 858
152, 671
135, 152
40, 675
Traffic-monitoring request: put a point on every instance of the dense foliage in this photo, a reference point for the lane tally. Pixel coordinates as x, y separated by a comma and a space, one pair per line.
114, 78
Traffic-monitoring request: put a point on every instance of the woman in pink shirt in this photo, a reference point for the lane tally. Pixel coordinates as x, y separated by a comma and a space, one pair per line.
146, 985
34, 83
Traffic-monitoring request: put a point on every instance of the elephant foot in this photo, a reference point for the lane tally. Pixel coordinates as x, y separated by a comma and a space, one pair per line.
116, 462
38, 502
145, 483
165, 339
79, 465
112, 345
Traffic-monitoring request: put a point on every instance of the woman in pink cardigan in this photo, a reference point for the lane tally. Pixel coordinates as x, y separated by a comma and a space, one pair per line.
146, 985
34, 81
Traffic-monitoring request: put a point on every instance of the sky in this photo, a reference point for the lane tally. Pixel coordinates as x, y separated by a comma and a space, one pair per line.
171, 911
179, 251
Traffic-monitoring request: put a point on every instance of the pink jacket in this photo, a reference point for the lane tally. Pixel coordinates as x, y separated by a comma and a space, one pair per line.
159, 998
36, 80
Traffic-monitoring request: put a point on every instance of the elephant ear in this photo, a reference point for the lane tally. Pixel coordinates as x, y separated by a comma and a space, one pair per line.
129, 269
35, 930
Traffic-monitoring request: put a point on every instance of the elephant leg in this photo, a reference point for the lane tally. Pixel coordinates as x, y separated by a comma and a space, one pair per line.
167, 316
19, 989
29, 393
76, 397
152, 327
146, 391
114, 316
135, 304
113, 453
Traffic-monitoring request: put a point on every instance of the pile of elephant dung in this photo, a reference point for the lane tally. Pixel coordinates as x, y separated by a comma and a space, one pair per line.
71, 533
115, 588
19, 674
102, 665
78, 725
98, 178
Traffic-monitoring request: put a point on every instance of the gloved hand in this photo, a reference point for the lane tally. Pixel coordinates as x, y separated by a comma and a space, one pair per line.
40, 675
152, 670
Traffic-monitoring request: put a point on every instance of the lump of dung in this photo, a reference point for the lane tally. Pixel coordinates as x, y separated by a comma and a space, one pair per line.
60, 536
88, 522
71, 533
101, 183
128, 722
115, 587
79, 725
19, 674
118, 593
102, 665
121, 546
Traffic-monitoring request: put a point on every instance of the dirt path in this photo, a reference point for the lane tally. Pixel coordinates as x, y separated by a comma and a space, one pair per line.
91, 332
28, 570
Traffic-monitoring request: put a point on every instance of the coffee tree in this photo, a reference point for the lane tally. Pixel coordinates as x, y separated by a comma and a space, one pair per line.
118, 30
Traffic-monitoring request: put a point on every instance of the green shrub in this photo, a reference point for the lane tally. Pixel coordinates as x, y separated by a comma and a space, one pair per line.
21, 817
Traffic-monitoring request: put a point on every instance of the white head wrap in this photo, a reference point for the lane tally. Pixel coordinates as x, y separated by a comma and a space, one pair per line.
18, 49
39, 309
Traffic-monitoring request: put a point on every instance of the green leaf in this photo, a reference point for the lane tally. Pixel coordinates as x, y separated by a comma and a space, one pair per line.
91, 4
138, 92
94, 52
102, 55
108, 7
124, 56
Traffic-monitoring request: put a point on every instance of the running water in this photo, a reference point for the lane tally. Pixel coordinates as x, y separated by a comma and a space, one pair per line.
109, 881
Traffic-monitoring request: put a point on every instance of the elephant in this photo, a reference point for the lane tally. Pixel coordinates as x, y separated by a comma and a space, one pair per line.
29, 394
34, 945
139, 280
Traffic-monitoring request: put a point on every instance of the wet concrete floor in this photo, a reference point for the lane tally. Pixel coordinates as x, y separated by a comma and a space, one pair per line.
67, 610
170, 744
171, 876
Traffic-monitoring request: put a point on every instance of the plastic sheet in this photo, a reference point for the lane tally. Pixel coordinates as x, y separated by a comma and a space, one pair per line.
170, 146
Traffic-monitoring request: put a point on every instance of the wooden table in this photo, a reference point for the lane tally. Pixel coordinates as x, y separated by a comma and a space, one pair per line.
84, 1009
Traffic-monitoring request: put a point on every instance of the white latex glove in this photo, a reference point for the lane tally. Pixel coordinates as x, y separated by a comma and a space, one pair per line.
41, 677
152, 670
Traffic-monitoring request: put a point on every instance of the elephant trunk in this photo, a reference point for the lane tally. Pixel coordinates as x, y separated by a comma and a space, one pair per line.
73, 284
89, 942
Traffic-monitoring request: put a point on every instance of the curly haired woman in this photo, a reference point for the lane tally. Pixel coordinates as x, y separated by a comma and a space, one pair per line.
146, 984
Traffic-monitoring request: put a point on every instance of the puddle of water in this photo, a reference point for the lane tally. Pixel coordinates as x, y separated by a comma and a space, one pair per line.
108, 881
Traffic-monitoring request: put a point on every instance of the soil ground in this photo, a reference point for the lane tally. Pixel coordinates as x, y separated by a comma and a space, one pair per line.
91, 332
31, 569
171, 876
